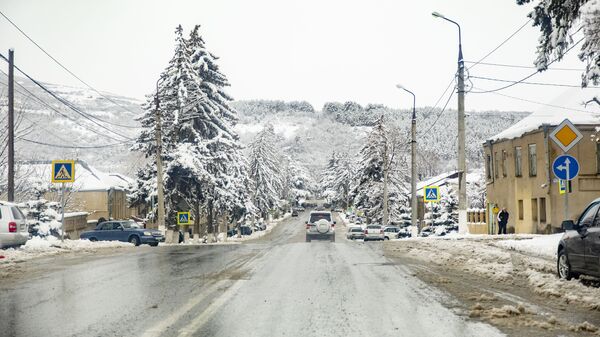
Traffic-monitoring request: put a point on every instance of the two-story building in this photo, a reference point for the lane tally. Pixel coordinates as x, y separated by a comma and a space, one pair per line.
518, 166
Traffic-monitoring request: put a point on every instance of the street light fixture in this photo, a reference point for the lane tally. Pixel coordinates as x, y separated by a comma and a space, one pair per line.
413, 157
462, 164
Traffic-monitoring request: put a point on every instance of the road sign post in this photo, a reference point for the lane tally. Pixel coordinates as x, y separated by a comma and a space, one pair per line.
63, 171
431, 194
566, 135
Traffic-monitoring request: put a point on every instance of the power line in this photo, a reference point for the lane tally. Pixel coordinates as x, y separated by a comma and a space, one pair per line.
528, 76
500, 45
69, 104
72, 146
533, 83
41, 101
522, 66
62, 66
440, 113
539, 103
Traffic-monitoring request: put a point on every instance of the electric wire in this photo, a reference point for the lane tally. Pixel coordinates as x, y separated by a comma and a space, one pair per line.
68, 104
71, 146
65, 68
535, 83
44, 103
528, 76
522, 66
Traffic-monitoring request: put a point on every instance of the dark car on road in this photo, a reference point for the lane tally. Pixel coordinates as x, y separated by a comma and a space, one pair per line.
126, 231
294, 213
579, 248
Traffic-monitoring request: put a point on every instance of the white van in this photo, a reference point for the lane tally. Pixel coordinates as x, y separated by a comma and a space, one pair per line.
14, 230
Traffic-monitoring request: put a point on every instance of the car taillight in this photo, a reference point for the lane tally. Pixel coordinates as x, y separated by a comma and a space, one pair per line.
381, 231
307, 226
12, 227
366, 231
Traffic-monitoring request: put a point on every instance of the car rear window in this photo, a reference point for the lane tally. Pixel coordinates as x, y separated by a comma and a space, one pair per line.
356, 230
374, 227
314, 217
17, 213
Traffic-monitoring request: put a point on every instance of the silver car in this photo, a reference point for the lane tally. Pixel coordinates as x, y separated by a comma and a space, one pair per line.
374, 232
391, 232
14, 230
320, 226
355, 232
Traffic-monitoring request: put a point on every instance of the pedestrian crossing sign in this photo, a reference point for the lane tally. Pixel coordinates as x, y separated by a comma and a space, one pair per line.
63, 171
431, 194
183, 218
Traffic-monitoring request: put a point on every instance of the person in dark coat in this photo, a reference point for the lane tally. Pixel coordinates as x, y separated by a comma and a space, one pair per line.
502, 221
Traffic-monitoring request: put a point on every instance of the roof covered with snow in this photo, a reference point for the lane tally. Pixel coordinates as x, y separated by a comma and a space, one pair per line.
571, 105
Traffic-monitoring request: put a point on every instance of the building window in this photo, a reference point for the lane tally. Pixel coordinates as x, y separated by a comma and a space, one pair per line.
543, 210
496, 164
520, 209
532, 160
518, 161
504, 163
598, 157
534, 210
488, 166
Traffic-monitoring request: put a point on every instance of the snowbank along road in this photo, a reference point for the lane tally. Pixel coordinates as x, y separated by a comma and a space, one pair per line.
273, 286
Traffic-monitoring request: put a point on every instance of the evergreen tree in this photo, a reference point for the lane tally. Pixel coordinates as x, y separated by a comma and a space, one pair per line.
201, 154
558, 20
381, 152
265, 170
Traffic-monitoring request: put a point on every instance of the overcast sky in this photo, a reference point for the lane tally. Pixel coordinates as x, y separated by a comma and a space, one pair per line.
315, 50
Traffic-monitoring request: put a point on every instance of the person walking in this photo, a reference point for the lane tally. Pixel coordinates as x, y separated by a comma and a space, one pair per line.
502, 221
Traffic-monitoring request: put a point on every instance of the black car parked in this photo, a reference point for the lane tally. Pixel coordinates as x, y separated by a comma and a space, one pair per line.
579, 248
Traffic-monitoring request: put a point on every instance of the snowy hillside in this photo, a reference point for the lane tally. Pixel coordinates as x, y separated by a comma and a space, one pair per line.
106, 122
311, 136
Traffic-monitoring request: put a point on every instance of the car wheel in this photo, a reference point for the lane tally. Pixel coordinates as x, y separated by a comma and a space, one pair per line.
153, 244
333, 238
563, 266
307, 239
93, 239
135, 240
386, 238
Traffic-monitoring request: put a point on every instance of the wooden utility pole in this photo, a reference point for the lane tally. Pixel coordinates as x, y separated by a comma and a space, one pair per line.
159, 167
11, 125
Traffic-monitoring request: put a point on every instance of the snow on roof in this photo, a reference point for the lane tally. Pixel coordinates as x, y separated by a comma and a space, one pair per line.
571, 105
87, 177
438, 180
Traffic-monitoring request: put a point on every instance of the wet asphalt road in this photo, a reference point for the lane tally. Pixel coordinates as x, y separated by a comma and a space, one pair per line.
278, 285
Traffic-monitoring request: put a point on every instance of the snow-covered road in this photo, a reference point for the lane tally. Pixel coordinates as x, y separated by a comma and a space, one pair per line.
273, 286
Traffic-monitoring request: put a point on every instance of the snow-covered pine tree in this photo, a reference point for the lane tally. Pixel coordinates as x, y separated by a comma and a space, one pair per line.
201, 152
369, 189
343, 178
214, 120
328, 187
265, 170
558, 20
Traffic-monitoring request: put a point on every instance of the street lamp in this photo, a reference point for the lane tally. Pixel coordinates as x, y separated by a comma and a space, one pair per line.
462, 164
413, 161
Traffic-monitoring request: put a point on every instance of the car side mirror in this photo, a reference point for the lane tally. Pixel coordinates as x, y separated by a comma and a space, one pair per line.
334, 222
568, 225
306, 222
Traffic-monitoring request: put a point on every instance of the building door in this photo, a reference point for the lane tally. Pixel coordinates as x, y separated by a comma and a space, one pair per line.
491, 220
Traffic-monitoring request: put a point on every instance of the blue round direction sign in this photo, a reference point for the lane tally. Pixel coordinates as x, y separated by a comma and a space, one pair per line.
565, 167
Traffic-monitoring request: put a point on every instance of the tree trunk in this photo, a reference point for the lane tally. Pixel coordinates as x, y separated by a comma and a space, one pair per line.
385, 187
197, 217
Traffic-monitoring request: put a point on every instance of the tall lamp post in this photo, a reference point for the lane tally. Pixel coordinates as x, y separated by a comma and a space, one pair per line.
462, 164
413, 160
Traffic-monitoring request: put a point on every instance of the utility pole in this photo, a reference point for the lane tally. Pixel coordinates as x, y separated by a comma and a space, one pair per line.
159, 167
386, 168
462, 164
413, 160
11, 125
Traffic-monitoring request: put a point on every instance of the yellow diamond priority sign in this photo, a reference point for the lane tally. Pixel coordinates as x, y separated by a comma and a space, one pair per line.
566, 135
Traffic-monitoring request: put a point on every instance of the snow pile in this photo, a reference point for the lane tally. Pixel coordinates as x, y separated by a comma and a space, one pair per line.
38, 247
542, 245
502, 259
